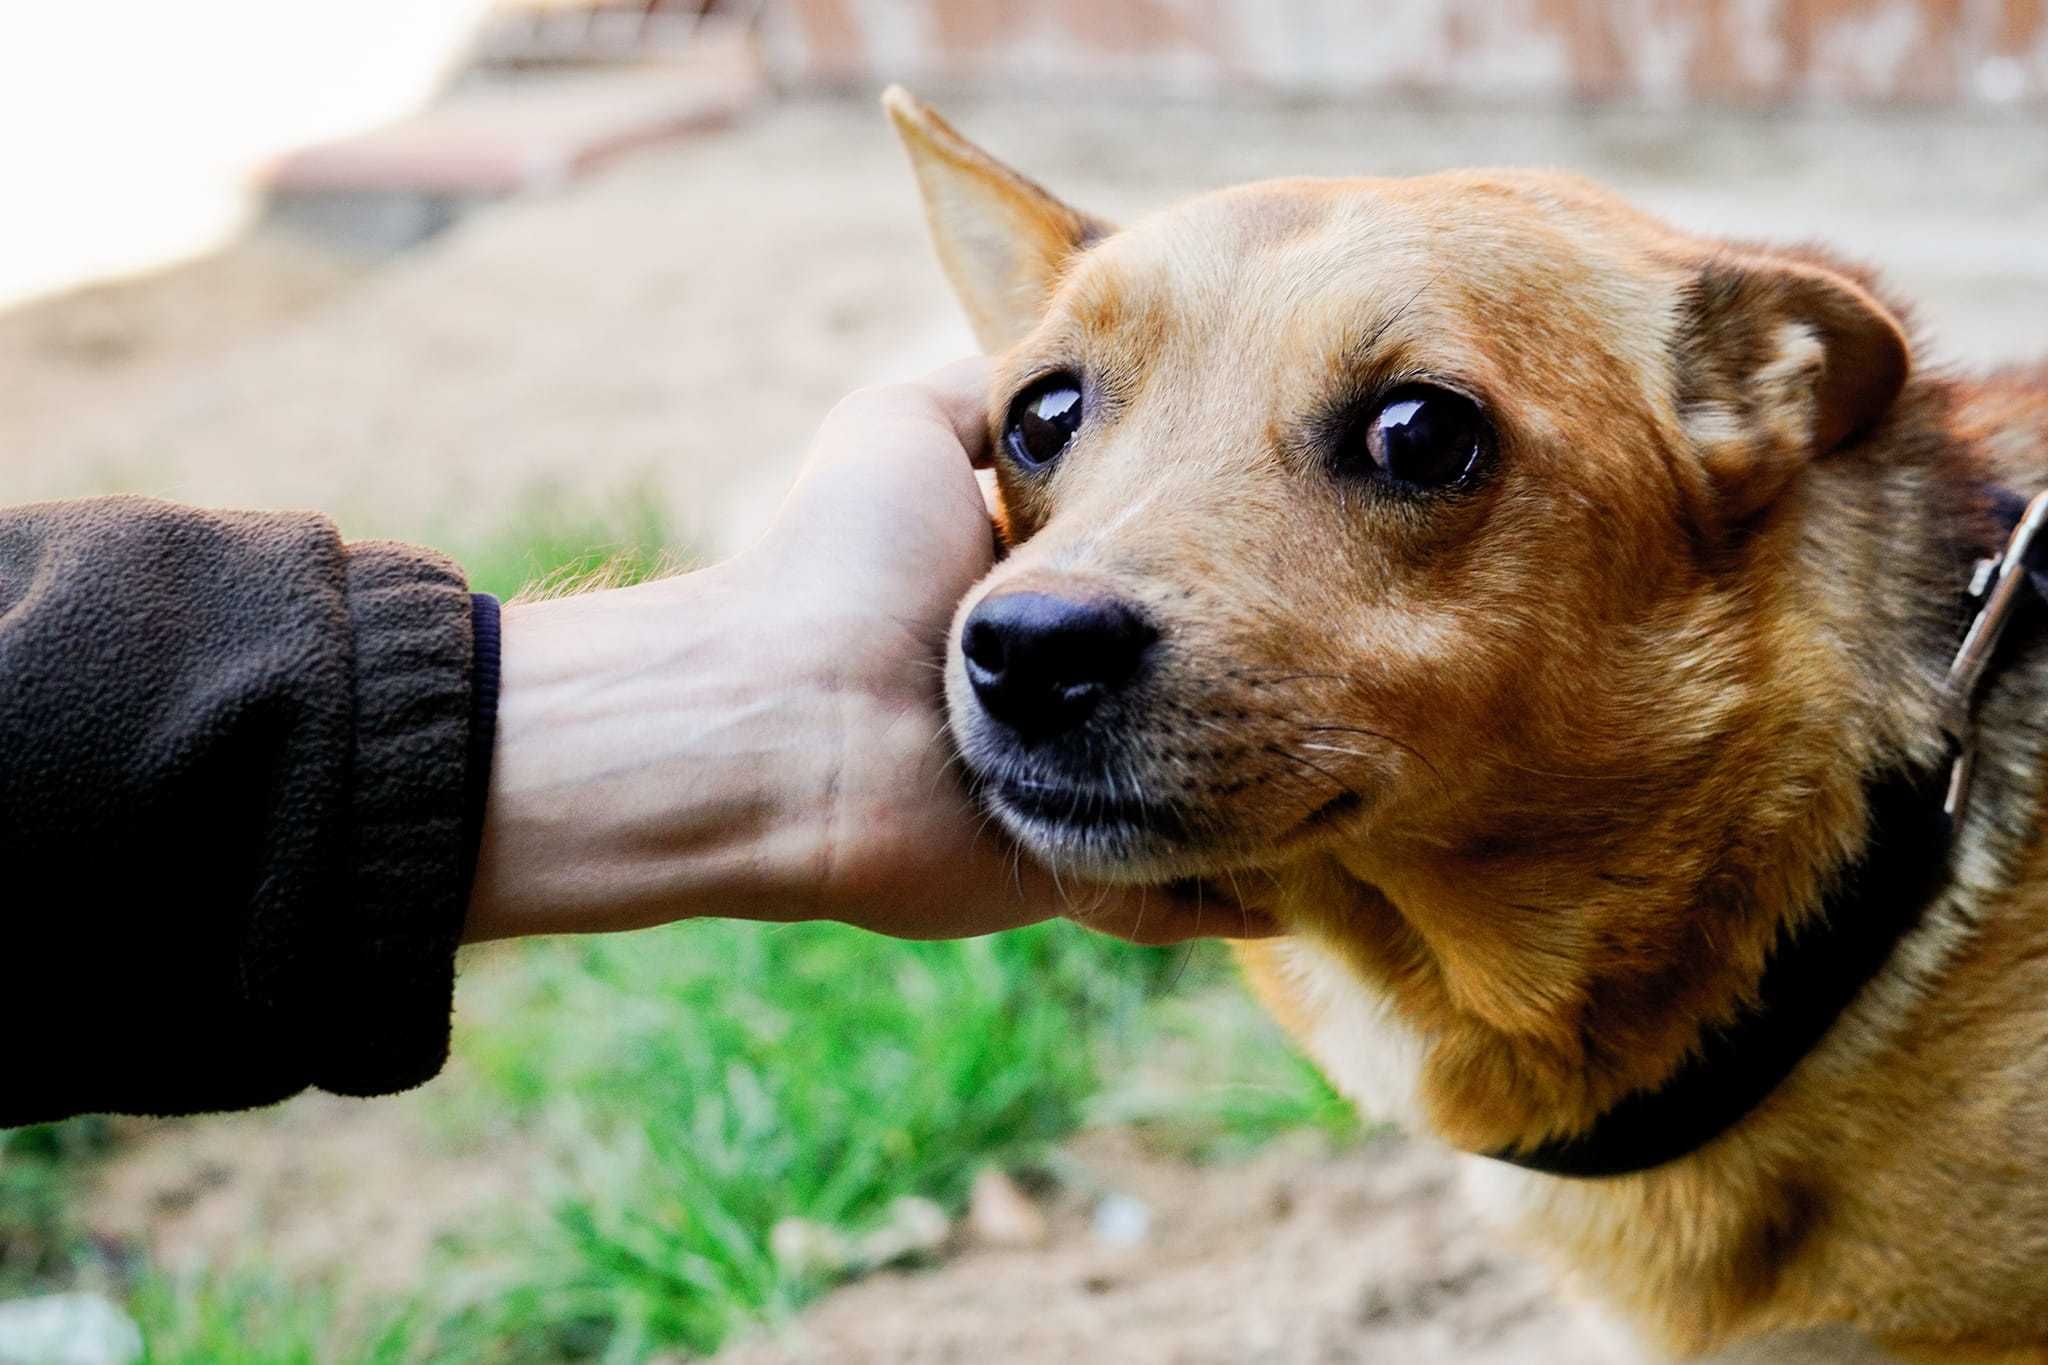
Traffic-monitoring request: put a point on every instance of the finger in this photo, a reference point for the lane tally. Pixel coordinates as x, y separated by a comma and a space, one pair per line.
938, 418
961, 391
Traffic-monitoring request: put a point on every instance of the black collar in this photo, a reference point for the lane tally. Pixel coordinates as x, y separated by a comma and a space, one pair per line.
1814, 973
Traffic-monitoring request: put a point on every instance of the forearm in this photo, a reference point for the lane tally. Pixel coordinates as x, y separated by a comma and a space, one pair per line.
656, 761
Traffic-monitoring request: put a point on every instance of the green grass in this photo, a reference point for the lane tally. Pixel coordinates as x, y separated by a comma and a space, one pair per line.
698, 1085
741, 1075
702, 1083
238, 1319
253, 1316
39, 1168
1213, 1079
552, 540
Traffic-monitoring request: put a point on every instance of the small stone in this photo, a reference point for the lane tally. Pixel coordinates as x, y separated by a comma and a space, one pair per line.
807, 1249
1001, 1215
914, 1228
1121, 1221
67, 1329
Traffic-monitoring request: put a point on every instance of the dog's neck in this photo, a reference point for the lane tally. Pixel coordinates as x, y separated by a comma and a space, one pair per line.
1570, 943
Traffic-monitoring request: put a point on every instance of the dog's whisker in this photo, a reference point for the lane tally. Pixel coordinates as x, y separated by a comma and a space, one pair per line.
1052, 865
1237, 894
1189, 955
922, 631
1384, 738
1561, 776
1332, 778
946, 769
1368, 346
1341, 749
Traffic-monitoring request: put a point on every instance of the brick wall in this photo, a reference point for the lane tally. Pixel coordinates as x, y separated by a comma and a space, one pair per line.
1990, 52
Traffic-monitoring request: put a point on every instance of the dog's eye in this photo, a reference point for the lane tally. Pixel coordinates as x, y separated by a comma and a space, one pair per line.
1421, 437
1043, 419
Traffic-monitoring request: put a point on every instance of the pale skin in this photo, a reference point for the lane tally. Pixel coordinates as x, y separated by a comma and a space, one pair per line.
766, 739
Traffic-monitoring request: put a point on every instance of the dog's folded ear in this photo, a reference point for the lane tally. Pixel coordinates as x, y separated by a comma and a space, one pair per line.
1002, 240
1779, 360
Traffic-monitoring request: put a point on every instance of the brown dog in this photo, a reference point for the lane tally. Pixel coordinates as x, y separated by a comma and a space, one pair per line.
1544, 614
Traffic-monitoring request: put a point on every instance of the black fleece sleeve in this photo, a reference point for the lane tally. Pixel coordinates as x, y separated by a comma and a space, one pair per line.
241, 777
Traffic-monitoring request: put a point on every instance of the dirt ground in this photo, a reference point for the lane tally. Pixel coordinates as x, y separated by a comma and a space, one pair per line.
681, 322
306, 1188
1294, 1258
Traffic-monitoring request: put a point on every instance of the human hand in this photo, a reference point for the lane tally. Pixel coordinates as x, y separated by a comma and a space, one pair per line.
767, 739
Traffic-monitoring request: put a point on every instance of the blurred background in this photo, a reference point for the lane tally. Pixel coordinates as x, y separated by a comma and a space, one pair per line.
550, 283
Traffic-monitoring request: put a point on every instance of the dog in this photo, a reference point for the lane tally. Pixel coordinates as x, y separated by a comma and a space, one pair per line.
1550, 618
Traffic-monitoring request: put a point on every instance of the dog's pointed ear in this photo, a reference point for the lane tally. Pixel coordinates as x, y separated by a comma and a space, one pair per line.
1001, 239
1779, 361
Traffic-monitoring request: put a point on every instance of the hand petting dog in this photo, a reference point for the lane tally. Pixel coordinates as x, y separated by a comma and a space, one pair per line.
767, 739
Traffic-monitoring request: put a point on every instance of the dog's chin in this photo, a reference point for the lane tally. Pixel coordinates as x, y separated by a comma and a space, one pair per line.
1096, 834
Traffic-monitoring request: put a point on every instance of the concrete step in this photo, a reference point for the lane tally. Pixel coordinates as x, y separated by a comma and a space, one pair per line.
509, 134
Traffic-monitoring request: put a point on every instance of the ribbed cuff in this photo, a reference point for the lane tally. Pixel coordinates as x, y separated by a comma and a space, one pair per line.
483, 730
391, 983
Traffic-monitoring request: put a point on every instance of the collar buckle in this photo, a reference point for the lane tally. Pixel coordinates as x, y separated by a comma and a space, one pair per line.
1996, 584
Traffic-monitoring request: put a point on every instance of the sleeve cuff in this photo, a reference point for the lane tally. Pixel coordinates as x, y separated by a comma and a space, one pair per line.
483, 730
415, 814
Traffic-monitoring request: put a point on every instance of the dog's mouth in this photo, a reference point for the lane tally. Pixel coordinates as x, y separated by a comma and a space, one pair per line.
1085, 809
1116, 830
1119, 838
1098, 828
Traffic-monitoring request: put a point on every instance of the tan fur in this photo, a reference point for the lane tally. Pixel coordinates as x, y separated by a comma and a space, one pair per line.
1544, 769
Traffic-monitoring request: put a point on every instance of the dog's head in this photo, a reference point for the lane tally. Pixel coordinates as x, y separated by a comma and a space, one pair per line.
1346, 515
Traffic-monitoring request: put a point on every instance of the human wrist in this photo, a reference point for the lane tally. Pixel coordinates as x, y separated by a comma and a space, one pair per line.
658, 758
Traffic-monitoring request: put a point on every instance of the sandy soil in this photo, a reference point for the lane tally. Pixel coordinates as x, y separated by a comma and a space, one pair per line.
1295, 1257
685, 319
320, 1185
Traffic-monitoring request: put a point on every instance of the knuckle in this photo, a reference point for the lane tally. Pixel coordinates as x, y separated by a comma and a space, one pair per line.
881, 400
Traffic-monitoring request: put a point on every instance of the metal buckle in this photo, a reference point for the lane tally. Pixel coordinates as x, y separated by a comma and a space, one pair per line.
1997, 582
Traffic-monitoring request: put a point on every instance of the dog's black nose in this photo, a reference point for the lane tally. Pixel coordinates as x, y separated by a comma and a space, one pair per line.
1041, 664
